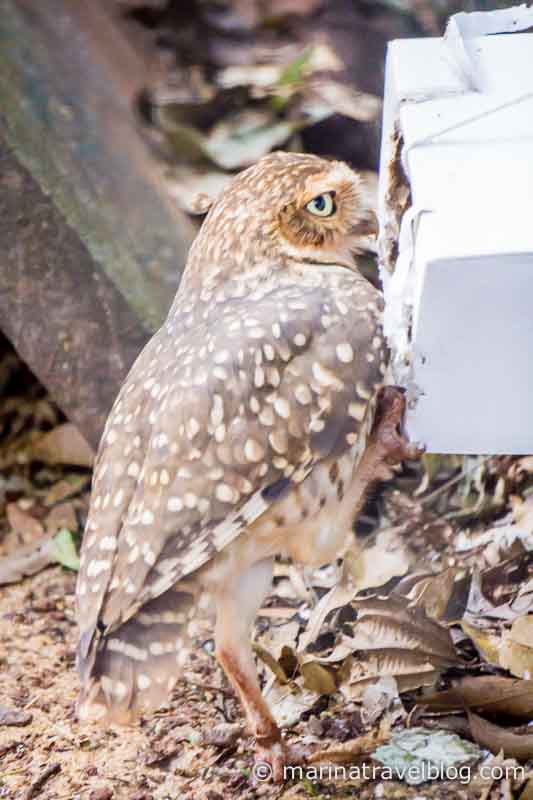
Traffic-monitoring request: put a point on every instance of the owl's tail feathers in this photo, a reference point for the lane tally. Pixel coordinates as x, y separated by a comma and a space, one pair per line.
133, 669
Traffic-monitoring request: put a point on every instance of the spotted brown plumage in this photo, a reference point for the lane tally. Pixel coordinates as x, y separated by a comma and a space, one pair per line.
240, 433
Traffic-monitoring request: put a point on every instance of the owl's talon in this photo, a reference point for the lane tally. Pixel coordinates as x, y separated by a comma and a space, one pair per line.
389, 415
272, 759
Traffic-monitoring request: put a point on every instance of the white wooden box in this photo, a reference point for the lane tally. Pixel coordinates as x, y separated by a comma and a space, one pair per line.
456, 257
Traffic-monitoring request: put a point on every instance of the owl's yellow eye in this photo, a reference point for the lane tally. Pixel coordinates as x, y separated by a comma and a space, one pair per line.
323, 205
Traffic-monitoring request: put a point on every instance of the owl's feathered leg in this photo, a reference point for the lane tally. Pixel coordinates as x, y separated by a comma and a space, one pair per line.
237, 606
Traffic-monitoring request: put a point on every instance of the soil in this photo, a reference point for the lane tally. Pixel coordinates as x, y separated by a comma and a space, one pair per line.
167, 755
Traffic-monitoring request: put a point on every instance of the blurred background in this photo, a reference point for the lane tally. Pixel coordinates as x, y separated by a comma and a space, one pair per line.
232, 80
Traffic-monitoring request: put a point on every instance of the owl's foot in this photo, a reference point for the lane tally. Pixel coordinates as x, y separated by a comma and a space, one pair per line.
387, 431
275, 759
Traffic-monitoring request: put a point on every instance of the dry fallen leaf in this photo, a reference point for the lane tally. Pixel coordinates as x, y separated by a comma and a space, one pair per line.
433, 593
65, 488
487, 644
516, 648
62, 515
64, 445
379, 697
490, 695
388, 558
318, 678
23, 524
523, 512
289, 702
340, 595
392, 622
350, 751
26, 561
497, 739
410, 670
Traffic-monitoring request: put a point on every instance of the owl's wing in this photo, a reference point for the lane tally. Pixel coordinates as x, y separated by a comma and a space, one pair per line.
214, 426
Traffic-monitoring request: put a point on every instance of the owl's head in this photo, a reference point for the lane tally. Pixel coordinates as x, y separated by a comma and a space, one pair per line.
288, 206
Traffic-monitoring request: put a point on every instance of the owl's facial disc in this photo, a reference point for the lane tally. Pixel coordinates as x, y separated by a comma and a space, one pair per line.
327, 219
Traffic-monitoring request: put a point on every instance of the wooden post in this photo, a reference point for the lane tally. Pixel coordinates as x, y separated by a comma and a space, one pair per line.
91, 246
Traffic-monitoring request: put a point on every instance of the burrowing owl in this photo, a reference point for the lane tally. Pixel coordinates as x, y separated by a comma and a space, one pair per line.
243, 431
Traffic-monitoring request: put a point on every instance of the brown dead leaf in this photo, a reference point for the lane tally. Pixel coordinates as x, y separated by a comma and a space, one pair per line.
279, 636
433, 594
516, 649
353, 749
523, 512
492, 593
388, 558
27, 560
497, 739
410, 669
24, 525
289, 702
527, 793
226, 734
392, 622
272, 663
61, 516
341, 594
318, 678
65, 488
487, 644
64, 445
486, 694
393, 639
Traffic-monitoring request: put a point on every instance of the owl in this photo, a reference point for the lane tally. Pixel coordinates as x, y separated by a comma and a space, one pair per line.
250, 426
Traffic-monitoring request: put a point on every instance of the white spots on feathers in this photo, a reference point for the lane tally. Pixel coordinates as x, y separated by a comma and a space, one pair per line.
174, 504
282, 407
226, 494
344, 352
108, 543
143, 681
117, 645
95, 567
303, 394
253, 451
116, 690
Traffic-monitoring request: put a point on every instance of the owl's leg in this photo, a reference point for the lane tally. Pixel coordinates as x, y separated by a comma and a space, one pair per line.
237, 606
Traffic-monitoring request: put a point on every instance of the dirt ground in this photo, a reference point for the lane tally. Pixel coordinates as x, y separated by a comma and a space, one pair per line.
167, 756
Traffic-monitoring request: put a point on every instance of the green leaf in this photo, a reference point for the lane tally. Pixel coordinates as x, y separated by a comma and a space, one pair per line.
64, 549
293, 72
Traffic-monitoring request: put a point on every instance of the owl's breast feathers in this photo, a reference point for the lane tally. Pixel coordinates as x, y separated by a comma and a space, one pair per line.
232, 403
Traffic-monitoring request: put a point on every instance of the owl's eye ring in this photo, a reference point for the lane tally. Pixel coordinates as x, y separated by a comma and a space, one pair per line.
323, 205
